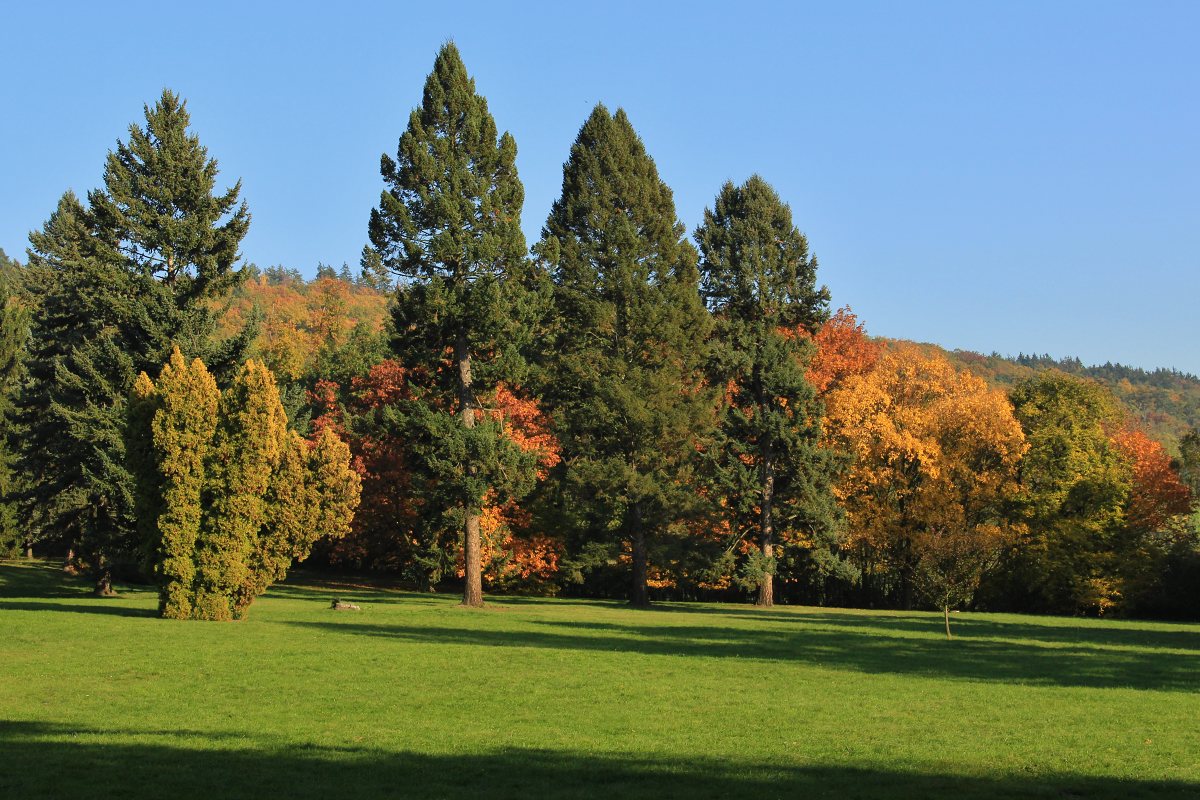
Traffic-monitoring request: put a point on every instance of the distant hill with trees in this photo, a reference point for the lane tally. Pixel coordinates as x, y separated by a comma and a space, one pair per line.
1165, 401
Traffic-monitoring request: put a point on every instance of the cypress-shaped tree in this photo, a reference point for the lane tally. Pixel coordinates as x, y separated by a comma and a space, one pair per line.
181, 431
625, 349
759, 280
312, 494
448, 224
250, 435
115, 286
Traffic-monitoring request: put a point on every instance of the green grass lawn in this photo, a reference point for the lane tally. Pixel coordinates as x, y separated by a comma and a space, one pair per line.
415, 697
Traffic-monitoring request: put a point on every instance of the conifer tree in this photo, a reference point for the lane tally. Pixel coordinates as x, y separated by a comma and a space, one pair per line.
227, 497
181, 431
448, 224
627, 343
250, 436
759, 280
164, 220
72, 406
115, 286
14, 338
312, 494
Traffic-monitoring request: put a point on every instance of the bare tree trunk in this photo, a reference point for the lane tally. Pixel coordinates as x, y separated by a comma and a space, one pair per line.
29, 548
639, 594
473, 584
946, 612
766, 585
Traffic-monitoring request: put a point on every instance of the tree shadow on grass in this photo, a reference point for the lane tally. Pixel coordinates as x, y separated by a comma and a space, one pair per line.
1102, 633
99, 605
818, 644
54, 761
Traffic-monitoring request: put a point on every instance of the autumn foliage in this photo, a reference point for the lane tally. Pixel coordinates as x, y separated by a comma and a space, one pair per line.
1157, 495
935, 455
843, 350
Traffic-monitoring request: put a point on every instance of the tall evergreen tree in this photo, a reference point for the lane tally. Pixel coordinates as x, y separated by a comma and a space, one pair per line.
759, 280
449, 224
14, 338
115, 285
627, 343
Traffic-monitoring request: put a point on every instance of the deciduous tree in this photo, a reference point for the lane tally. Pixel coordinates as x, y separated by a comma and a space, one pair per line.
934, 475
1076, 486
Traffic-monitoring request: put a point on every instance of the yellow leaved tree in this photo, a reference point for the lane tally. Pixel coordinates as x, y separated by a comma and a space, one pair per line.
935, 471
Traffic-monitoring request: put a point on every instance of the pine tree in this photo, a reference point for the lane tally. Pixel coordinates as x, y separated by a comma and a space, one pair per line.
246, 450
449, 224
759, 280
626, 345
115, 286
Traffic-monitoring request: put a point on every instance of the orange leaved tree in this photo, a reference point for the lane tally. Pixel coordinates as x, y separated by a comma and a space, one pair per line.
935, 468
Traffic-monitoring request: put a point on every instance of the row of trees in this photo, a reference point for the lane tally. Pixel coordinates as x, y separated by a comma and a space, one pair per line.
614, 405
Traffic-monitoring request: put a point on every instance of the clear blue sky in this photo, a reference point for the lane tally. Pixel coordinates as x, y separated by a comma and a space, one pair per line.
1011, 176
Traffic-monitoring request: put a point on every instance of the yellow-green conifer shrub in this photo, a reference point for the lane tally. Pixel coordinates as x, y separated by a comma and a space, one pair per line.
290, 515
142, 461
246, 450
182, 431
337, 487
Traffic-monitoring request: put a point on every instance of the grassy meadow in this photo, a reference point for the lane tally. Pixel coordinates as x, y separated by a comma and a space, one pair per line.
415, 697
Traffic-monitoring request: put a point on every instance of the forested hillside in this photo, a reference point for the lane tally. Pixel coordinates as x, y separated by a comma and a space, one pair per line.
1165, 401
301, 316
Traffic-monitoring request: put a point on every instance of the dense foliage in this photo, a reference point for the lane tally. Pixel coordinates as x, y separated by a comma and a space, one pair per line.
617, 412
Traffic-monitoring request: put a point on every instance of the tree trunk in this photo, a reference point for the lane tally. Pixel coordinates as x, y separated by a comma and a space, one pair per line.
639, 594
104, 584
766, 585
473, 583
29, 548
946, 612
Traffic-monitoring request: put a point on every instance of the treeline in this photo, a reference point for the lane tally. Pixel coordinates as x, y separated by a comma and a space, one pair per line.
620, 409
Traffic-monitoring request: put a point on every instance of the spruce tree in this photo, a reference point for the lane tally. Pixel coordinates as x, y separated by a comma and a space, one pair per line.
115, 286
449, 225
14, 338
626, 344
759, 280
164, 219
71, 408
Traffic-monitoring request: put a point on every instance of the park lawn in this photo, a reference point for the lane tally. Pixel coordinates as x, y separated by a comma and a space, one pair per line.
415, 697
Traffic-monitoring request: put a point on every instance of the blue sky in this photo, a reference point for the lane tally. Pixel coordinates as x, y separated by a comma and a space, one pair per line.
1010, 176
